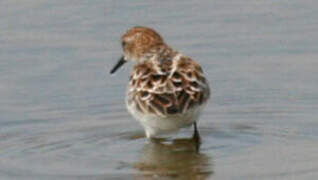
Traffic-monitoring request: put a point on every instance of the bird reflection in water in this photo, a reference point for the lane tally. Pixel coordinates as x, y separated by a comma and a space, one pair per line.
177, 159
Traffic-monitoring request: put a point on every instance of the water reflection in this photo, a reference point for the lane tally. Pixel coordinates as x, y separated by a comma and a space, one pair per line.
177, 159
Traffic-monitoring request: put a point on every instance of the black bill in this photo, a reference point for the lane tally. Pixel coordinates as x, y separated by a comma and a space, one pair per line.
119, 63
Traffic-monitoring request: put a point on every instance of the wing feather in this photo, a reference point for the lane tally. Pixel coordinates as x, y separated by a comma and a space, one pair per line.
177, 90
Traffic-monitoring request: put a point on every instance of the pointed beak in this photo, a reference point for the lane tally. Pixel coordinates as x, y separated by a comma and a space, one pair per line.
121, 62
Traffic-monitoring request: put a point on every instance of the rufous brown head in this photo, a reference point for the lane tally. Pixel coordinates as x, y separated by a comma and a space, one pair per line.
136, 42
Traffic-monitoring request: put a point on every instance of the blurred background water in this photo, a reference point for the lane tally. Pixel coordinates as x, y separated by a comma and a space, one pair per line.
62, 116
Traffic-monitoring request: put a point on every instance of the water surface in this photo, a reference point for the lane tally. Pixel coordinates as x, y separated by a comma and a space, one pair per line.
63, 115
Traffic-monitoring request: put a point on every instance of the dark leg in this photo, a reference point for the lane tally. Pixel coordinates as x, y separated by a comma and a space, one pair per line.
196, 137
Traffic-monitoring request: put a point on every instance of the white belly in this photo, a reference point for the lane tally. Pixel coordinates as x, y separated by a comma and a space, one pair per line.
157, 125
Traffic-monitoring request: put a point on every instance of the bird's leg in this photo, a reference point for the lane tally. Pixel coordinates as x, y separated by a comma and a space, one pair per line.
196, 137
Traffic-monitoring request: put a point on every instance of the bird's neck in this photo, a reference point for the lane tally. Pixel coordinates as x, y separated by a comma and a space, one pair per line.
160, 54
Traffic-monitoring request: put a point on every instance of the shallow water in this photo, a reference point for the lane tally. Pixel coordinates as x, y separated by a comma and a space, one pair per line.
63, 115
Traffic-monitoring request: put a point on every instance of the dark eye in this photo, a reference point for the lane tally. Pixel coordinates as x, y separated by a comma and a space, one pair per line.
123, 44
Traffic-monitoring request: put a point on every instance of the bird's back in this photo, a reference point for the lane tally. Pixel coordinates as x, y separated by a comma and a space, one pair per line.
167, 87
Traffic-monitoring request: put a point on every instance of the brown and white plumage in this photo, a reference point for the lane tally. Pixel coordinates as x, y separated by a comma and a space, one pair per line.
169, 89
166, 89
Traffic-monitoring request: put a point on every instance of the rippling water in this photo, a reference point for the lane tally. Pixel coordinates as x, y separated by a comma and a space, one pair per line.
63, 115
